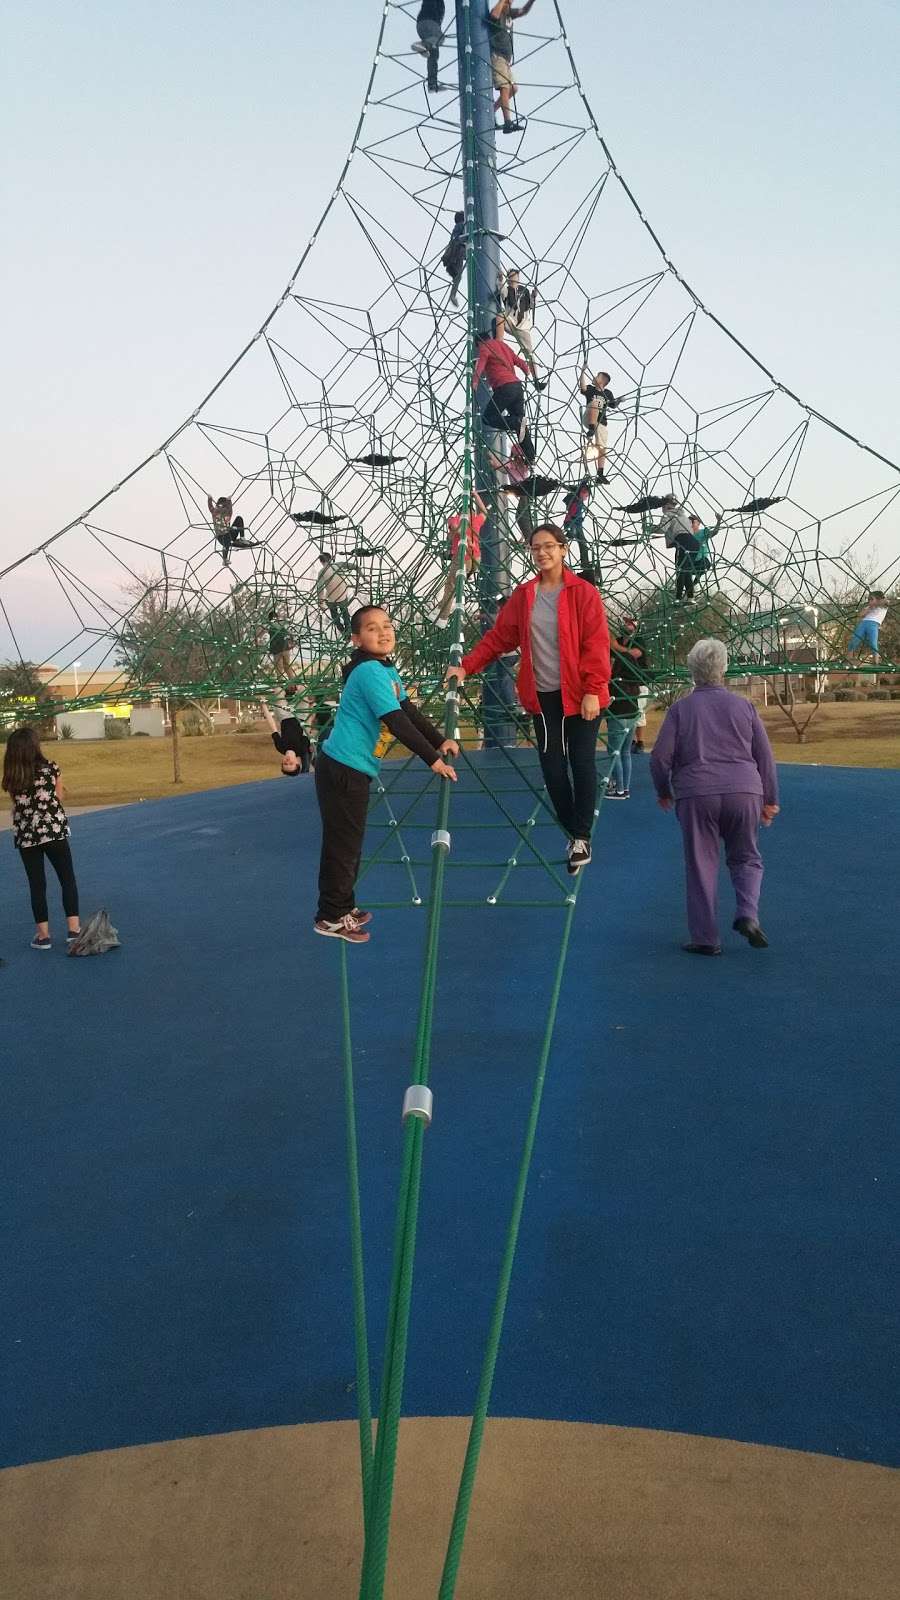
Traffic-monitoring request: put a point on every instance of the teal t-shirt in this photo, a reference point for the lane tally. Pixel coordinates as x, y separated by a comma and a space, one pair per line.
358, 738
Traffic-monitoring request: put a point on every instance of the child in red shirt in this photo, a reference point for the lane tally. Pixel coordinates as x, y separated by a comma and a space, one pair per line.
474, 524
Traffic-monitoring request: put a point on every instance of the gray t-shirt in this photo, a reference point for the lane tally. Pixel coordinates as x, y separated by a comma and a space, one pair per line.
545, 638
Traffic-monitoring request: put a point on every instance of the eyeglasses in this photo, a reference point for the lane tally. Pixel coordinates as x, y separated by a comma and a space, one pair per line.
537, 549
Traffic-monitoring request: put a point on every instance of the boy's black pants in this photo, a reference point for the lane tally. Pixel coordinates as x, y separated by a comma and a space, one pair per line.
343, 796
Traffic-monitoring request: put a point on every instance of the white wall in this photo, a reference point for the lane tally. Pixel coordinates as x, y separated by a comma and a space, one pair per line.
148, 719
84, 724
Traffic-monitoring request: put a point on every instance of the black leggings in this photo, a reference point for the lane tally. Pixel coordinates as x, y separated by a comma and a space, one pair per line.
684, 584
568, 745
59, 856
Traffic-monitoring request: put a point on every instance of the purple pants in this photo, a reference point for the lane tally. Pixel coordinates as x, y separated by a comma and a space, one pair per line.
705, 819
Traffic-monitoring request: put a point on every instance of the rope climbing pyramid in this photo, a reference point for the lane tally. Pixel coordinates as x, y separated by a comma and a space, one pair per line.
320, 473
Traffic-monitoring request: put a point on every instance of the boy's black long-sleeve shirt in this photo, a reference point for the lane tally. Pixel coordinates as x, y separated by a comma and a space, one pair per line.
414, 730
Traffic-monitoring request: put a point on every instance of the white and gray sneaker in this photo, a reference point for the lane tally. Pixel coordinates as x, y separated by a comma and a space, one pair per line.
579, 854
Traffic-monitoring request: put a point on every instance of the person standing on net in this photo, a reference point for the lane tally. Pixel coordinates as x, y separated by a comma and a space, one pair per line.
675, 527
505, 411
333, 592
517, 303
430, 28
374, 710
558, 623
599, 400
474, 523
629, 673
713, 760
866, 632
41, 830
454, 257
500, 28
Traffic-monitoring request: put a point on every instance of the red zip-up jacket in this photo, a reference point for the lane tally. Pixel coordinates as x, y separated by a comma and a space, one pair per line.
583, 644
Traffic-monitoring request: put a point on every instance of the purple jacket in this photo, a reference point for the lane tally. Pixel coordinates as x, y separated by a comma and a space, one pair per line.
713, 742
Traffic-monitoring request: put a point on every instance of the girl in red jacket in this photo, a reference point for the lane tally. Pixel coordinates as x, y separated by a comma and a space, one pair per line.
558, 623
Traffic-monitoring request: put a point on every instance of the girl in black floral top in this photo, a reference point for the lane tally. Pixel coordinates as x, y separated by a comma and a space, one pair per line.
40, 829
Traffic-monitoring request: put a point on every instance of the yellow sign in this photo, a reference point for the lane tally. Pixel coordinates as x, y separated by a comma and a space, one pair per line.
118, 709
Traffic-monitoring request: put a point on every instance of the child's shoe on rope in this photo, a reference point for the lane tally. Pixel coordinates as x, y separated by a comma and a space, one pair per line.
362, 918
579, 854
346, 928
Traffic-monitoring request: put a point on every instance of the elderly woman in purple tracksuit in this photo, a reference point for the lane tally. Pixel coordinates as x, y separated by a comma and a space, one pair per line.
712, 756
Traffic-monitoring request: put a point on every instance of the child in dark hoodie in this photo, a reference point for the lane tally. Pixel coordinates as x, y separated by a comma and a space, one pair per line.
374, 709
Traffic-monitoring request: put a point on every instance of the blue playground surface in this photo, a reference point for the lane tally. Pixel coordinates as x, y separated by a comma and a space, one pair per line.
710, 1240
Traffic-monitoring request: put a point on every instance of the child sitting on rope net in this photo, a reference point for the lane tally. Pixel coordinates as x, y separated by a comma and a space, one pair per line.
474, 523
230, 535
288, 736
374, 709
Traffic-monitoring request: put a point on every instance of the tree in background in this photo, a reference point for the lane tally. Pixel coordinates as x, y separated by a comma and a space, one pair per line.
21, 690
163, 647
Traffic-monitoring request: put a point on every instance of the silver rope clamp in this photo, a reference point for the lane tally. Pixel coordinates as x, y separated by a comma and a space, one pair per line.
418, 1102
441, 838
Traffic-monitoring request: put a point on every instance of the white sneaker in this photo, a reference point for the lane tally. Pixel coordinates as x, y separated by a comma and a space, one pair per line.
420, 49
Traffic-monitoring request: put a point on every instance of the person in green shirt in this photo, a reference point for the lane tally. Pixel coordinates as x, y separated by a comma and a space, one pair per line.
701, 558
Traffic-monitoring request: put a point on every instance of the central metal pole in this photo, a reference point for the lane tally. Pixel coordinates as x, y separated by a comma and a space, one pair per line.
479, 164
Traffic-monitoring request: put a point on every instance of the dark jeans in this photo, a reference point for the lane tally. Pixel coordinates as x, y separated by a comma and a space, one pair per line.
340, 616
567, 747
506, 408
343, 796
59, 856
430, 35
684, 581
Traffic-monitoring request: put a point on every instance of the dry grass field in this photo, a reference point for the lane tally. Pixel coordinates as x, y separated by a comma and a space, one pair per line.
114, 772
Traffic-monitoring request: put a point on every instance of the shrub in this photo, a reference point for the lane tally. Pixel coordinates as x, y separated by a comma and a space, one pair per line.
113, 728
879, 694
849, 694
895, 694
66, 731
140, 735
191, 725
247, 727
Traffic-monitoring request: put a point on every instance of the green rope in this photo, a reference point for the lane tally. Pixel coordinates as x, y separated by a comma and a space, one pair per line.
476, 1432
360, 1335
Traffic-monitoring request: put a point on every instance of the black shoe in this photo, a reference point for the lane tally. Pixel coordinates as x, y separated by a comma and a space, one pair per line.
751, 931
702, 949
540, 384
512, 127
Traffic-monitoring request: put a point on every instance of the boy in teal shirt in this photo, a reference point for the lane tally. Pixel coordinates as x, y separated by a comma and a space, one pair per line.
374, 709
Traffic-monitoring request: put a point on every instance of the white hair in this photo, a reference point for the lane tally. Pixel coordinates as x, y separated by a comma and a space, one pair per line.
707, 660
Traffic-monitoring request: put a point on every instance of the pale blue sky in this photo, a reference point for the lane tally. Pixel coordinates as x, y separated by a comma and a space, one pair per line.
164, 165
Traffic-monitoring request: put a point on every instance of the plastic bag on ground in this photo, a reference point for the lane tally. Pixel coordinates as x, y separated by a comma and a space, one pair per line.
96, 937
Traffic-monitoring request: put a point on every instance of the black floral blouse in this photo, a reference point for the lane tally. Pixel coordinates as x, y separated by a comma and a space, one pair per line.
39, 817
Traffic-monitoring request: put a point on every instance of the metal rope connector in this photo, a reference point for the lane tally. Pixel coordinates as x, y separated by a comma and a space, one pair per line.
441, 838
418, 1102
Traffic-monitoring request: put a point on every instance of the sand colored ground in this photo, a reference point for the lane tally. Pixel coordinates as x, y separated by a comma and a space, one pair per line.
562, 1511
